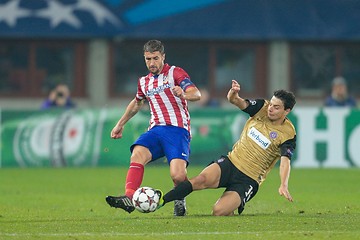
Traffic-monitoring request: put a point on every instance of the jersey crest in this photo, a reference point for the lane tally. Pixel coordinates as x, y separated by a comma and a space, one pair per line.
273, 135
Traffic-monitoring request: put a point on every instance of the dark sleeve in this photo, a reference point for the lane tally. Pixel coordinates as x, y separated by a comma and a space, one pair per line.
70, 103
328, 102
254, 106
47, 104
287, 148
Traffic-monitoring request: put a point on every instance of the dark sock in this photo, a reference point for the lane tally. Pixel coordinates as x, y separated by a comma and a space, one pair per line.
179, 192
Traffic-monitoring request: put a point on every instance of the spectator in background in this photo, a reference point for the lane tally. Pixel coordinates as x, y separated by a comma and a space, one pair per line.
59, 97
339, 95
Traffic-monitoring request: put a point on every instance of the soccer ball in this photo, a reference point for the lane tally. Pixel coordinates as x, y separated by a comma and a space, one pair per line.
145, 199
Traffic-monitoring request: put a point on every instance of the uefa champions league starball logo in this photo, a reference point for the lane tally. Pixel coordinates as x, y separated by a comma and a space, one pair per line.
57, 12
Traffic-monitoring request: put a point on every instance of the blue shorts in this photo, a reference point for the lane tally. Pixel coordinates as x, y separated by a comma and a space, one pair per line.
169, 141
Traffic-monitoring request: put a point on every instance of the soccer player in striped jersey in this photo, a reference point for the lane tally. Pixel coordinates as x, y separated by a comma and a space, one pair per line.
167, 90
268, 136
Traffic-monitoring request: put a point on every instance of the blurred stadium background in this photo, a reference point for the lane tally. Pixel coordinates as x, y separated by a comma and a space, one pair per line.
95, 47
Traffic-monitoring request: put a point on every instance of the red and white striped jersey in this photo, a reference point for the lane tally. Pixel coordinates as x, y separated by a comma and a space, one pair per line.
165, 108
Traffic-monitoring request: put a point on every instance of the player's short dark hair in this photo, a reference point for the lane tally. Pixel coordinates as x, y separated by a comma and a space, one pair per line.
154, 46
287, 97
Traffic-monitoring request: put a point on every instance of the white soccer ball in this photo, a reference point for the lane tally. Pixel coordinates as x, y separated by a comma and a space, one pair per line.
145, 199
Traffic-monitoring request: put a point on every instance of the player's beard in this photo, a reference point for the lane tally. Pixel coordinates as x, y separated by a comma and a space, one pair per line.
154, 70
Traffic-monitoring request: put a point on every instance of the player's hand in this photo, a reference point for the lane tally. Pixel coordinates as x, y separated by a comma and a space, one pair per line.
283, 191
177, 91
117, 132
235, 86
234, 91
52, 95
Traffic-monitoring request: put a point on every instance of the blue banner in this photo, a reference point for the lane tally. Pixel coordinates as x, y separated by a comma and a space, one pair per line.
215, 19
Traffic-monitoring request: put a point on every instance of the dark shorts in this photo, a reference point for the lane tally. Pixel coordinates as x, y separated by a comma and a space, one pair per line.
232, 179
169, 141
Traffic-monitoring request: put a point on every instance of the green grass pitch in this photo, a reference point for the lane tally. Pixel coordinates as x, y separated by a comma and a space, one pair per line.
69, 203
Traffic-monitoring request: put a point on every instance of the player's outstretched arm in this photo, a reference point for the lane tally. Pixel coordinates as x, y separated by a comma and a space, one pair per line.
233, 96
284, 177
133, 108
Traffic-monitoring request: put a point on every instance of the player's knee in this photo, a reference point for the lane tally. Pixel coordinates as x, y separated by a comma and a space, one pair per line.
140, 155
178, 177
219, 211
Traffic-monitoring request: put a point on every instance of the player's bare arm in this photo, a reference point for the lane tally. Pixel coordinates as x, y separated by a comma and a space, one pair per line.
131, 110
234, 98
191, 93
284, 178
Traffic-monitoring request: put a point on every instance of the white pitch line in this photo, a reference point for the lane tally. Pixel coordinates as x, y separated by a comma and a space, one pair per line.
118, 234
111, 234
